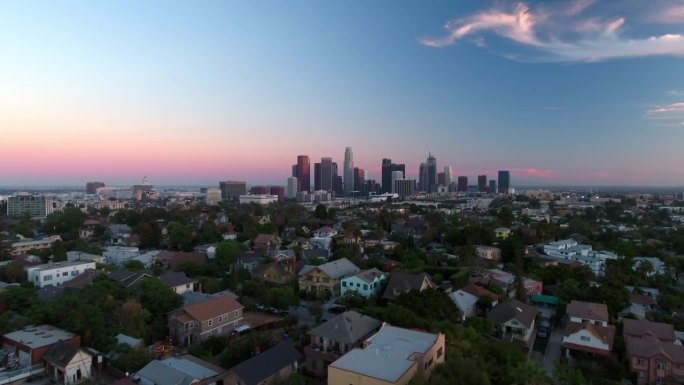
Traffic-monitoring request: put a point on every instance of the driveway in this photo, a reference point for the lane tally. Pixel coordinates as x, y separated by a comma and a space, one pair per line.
553, 350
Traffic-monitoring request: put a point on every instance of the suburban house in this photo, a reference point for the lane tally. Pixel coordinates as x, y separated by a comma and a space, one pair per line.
269, 367
652, 352
279, 272
180, 370
325, 232
57, 273
195, 323
514, 320
467, 299
332, 339
364, 283
404, 282
326, 276
32, 343
67, 364
249, 260
587, 329
129, 278
489, 253
639, 306
311, 255
265, 243
174, 259
393, 355
502, 232
507, 280
179, 282
282, 255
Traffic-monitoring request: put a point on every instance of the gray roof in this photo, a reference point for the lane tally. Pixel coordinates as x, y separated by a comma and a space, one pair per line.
348, 327
173, 278
264, 365
60, 354
513, 309
402, 282
389, 354
315, 254
38, 336
176, 371
129, 278
128, 340
193, 297
339, 268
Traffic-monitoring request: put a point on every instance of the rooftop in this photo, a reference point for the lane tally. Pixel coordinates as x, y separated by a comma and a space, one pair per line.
348, 327
38, 336
61, 265
388, 354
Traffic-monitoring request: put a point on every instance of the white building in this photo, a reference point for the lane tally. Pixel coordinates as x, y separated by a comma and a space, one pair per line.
73, 256
57, 273
24, 247
570, 250
657, 266
365, 283
118, 255
262, 199
292, 188
213, 196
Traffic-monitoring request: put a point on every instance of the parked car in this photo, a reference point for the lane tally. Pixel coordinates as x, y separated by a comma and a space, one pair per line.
337, 309
543, 332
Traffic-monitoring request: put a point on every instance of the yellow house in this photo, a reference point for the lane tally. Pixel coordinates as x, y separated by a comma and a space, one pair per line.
502, 232
326, 276
391, 356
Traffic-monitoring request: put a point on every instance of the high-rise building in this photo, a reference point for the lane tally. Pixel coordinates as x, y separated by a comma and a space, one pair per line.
447, 176
428, 175
91, 187
462, 183
372, 187
279, 191
482, 183
492, 186
304, 172
326, 174
348, 171
504, 181
317, 176
396, 175
440, 179
387, 168
231, 190
295, 170
405, 187
292, 188
32, 205
212, 196
359, 182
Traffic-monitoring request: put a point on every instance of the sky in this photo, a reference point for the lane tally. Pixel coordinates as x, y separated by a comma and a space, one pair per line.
193, 92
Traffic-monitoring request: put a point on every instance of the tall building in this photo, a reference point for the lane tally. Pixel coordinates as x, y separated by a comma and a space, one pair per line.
440, 179
231, 190
348, 171
462, 183
317, 176
278, 191
504, 181
428, 175
295, 170
304, 172
482, 183
337, 185
31, 205
492, 186
447, 176
91, 187
387, 168
405, 187
359, 182
212, 196
396, 175
292, 188
326, 174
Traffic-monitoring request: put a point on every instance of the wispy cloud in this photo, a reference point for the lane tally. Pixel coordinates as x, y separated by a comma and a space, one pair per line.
559, 33
666, 115
534, 172
671, 14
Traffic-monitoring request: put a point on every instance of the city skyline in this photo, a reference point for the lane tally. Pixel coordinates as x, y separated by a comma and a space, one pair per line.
196, 93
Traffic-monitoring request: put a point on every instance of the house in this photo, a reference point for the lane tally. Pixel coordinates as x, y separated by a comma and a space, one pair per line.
312, 255
183, 370
489, 253
282, 255
326, 277
653, 352
502, 232
514, 320
467, 299
23, 247
507, 280
179, 282
404, 282
67, 364
195, 323
325, 232
57, 273
129, 278
280, 272
639, 306
175, 259
336, 337
587, 329
32, 343
264, 243
49, 292
651, 265
393, 355
134, 343
364, 283
73, 256
266, 368
249, 260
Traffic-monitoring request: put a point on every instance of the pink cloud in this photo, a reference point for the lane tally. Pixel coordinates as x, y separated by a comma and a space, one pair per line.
546, 173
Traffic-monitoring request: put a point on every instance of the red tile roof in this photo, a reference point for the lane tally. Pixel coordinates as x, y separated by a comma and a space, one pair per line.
588, 310
213, 308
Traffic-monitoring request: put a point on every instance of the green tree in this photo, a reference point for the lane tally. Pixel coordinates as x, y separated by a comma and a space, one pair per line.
129, 360
150, 234
529, 372
321, 212
181, 236
134, 265
226, 252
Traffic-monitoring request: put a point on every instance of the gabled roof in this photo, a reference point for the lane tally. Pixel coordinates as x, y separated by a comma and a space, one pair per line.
605, 333
479, 291
60, 354
212, 308
348, 327
513, 309
183, 370
315, 254
649, 346
369, 276
588, 310
173, 279
266, 364
263, 239
338, 268
641, 328
129, 278
401, 282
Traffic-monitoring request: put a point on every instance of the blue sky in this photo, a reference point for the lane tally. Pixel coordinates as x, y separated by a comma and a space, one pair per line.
581, 92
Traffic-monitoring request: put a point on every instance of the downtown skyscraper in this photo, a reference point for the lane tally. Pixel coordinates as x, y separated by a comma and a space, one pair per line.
504, 181
428, 175
387, 169
303, 170
348, 171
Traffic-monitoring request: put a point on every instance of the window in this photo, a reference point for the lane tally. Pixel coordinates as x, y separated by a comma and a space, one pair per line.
660, 365
220, 318
365, 287
64, 274
440, 352
344, 284
210, 322
237, 313
74, 273
640, 361
47, 277
585, 338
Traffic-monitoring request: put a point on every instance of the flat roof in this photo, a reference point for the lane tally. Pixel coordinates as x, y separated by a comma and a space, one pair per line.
388, 354
39, 336
543, 298
58, 265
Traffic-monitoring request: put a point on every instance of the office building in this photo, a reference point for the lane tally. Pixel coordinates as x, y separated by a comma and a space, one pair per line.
359, 182
348, 171
440, 179
372, 187
32, 205
91, 187
428, 175
212, 196
231, 190
257, 190
292, 188
317, 176
396, 175
482, 183
326, 174
462, 183
387, 168
304, 172
278, 191
492, 186
504, 182
447, 176
404, 187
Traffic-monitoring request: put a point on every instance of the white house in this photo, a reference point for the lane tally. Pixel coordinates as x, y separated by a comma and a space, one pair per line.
67, 364
570, 250
657, 266
118, 255
465, 302
57, 273
365, 283
325, 232
588, 337
73, 256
